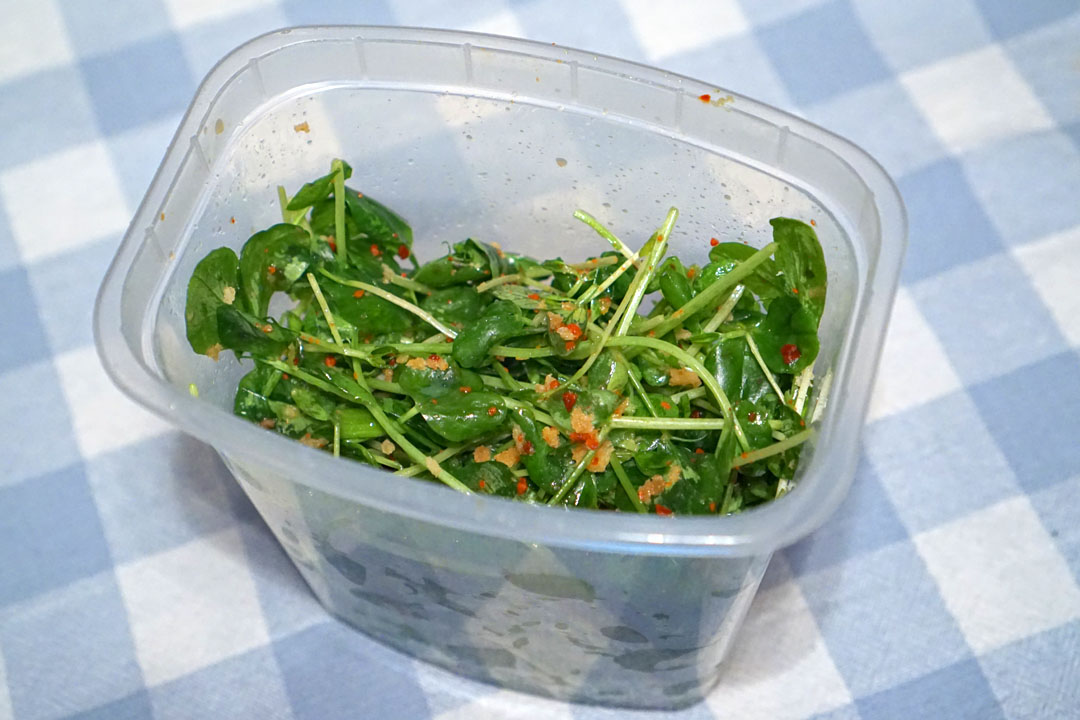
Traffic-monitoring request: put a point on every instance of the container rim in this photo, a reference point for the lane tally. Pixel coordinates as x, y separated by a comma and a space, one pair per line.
797, 514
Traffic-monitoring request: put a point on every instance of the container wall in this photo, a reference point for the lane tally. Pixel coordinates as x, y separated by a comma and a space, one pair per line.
598, 627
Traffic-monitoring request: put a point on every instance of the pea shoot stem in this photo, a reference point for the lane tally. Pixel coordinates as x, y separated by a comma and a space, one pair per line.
341, 236
391, 297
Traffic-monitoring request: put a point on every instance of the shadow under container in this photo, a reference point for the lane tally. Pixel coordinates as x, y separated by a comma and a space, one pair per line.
499, 139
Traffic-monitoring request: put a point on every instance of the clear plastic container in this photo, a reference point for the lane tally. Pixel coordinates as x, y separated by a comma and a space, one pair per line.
501, 139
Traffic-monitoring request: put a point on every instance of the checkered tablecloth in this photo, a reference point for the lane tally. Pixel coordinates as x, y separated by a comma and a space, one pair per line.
136, 580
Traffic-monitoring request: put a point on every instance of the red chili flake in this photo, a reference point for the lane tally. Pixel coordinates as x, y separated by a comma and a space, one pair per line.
714, 242
375, 250
795, 290
271, 269
691, 273
403, 250
393, 235
434, 358
359, 194
434, 401
392, 361
712, 507
481, 484
534, 296
284, 376
814, 223
492, 410
465, 389
659, 238
752, 417
802, 423
268, 328
358, 294
593, 443
296, 361
695, 413
522, 486
570, 345
790, 353
526, 448
744, 455
652, 333
404, 275
706, 97
699, 451
661, 510
333, 245
330, 361
569, 399
665, 404
232, 220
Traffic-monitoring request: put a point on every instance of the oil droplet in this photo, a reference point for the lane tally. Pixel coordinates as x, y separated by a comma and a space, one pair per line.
561, 162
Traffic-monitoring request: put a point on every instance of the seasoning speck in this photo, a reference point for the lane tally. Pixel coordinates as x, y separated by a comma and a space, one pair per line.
561, 162
302, 127
219, 126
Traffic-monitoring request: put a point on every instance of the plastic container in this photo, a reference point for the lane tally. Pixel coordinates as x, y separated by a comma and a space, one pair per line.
501, 139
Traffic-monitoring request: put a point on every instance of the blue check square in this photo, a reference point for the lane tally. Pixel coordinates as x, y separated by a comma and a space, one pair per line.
1032, 414
1040, 57
962, 687
1008, 18
864, 522
51, 535
138, 83
860, 609
26, 391
988, 317
43, 113
321, 666
93, 32
839, 58
70, 651
948, 225
249, 685
25, 340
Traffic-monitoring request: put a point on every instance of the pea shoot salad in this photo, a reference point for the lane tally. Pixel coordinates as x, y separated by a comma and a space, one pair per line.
628, 381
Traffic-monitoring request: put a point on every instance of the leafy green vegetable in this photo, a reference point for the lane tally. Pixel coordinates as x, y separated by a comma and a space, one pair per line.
628, 381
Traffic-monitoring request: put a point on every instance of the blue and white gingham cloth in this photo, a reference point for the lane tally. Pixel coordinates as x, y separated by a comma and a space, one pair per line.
136, 580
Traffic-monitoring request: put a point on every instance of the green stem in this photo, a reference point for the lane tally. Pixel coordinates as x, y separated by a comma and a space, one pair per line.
764, 368
390, 297
603, 232
712, 293
694, 364
325, 308
571, 481
627, 486
439, 457
338, 169
643, 423
404, 282
775, 449
641, 280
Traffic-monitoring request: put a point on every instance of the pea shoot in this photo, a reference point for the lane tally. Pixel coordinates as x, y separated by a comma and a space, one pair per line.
628, 381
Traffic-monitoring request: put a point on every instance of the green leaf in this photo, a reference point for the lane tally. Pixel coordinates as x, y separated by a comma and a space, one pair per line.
674, 285
546, 466
271, 261
422, 382
764, 282
456, 305
357, 423
241, 332
491, 478
317, 190
460, 416
213, 283
500, 321
801, 259
735, 368
787, 337
470, 261
370, 314
251, 401
312, 403
608, 372
379, 223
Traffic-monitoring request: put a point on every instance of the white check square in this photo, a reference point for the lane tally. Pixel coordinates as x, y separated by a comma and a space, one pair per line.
63, 201
34, 39
974, 99
102, 417
669, 28
185, 13
192, 606
914, 368
1000, 574
1053, 264
779, 666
